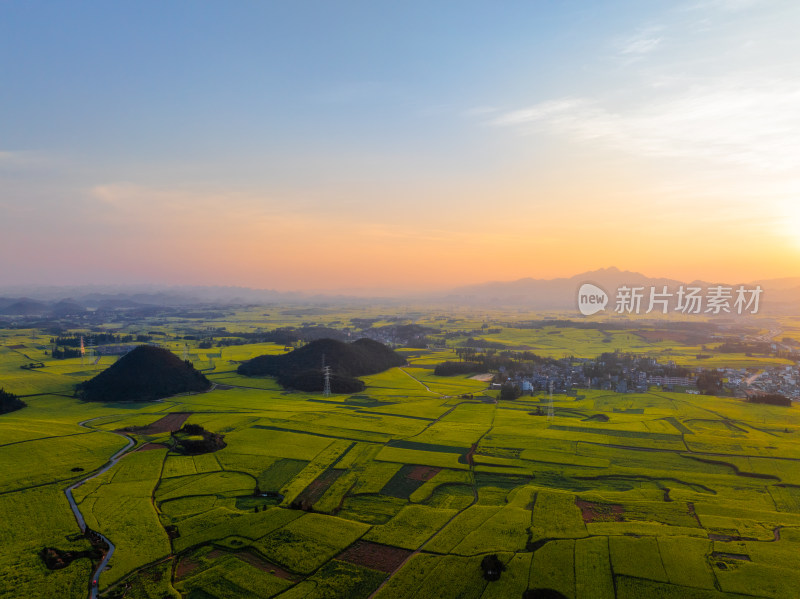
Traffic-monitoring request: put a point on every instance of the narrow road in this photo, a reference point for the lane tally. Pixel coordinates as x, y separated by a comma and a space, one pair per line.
93, 588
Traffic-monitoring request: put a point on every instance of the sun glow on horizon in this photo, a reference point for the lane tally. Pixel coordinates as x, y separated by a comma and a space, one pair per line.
524, 143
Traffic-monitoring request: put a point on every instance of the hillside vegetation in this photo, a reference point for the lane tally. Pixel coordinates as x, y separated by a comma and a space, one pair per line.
144, 374
302, 368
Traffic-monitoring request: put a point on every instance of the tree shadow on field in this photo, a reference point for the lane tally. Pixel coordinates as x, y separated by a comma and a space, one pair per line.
542, 594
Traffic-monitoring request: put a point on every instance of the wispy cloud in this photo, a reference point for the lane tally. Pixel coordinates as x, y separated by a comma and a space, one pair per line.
643, 42
724, 5
727, 122
551, 111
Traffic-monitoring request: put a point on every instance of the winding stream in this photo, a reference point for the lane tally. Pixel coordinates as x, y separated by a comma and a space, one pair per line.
93, 589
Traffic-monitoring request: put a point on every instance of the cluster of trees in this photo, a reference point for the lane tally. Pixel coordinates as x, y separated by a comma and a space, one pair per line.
492, 360
509, 390
709, 382
450, 368
189, 443
314, 380
32, 365
484, 344
742, 347
98, 339
773, 399
63, 354
9, 402
492, 567
56, 559
292, 335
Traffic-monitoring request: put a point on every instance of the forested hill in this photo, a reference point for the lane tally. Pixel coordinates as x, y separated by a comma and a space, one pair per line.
359, 358
144, 374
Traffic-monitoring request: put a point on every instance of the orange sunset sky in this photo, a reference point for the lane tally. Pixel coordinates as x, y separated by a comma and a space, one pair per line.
365, 147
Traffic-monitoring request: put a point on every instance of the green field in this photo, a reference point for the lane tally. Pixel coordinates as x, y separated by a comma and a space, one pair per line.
674, 495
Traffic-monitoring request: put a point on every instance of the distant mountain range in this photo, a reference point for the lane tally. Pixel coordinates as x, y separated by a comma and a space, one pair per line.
780, 295
561, 293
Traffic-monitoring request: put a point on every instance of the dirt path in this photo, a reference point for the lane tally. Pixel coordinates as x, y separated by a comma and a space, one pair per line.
428, 389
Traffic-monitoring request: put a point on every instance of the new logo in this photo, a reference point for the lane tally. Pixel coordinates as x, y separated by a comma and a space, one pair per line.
591, 299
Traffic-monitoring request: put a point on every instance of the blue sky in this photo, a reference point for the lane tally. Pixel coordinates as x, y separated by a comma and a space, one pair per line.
212, 132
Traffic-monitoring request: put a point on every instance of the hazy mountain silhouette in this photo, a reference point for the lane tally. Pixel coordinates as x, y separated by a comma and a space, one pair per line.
781, 294
24, 307
561, 293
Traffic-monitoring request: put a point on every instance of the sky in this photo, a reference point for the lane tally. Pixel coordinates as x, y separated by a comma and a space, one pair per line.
362, 146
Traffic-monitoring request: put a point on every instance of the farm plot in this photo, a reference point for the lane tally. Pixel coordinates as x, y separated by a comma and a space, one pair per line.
514, 580
240, 527
276, 443
318, 487
555, 515
464, 524
635, 588
494, 488
593, 577
374, 475
553, 567
452, 433
410, 578
121, 507
370, 509
343, 579
685, 561
180, 508
212, 483
322, 462
505, 530
187, 465
411, 527
448, 577
34, 519
232, 578
375, 556
423, 458
306, 543
442, 483
17, 429
41, 461
637, 557
407, 480
154, 581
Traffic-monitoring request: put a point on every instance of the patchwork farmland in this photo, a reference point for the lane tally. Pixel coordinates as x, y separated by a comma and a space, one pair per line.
398, 491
